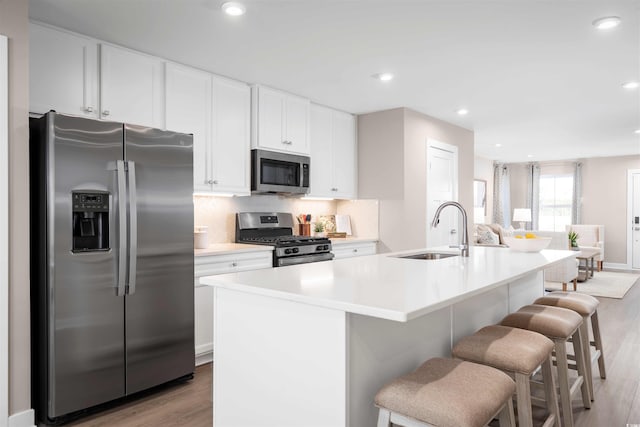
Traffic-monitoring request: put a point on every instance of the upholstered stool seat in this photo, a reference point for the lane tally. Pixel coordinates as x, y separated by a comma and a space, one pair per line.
447, 393
518, 352
587, 307
559, 324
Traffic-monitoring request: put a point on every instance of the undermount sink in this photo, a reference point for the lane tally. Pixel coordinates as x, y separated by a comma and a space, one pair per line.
428, 255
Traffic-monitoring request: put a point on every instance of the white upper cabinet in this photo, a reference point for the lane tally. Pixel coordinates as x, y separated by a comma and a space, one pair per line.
333, 154
188, 110
131, 87
280, 121
217, 112
231, 137
63, 72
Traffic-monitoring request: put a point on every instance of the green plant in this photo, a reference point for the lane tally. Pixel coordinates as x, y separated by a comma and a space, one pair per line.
318, 227
573, 239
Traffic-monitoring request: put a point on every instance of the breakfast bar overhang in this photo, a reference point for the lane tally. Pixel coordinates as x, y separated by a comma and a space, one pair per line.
310, 345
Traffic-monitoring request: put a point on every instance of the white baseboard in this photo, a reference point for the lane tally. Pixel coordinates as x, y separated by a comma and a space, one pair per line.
204, 354
22, 419
616, 266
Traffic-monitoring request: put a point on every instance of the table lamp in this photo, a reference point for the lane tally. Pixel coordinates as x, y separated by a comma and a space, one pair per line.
522, 216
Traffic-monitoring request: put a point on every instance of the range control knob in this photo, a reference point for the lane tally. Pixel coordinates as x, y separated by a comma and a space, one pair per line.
319, 248
295, 250
287, 251
325, 247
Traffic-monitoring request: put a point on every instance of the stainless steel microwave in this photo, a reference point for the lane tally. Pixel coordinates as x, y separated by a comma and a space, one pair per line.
275, 172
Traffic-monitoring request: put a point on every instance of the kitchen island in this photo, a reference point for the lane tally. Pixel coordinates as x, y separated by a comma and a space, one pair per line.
310, 345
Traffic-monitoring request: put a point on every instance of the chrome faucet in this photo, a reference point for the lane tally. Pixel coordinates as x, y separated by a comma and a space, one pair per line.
464, 246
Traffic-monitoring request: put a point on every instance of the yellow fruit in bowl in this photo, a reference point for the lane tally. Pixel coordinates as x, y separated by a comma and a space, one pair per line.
518, 236
530, 236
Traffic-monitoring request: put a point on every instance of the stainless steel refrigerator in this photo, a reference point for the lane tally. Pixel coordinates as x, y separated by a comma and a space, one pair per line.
111, 261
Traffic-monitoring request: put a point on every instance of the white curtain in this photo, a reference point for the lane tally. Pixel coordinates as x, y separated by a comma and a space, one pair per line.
533, 193
576, 203
501, 195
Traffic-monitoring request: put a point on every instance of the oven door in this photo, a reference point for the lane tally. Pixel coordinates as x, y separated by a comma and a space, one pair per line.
303, 259
273, 172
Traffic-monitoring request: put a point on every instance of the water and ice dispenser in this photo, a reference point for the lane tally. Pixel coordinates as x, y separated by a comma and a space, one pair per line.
90, 221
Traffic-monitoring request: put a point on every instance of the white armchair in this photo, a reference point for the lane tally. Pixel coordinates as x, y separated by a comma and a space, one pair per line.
566, 271
592, 237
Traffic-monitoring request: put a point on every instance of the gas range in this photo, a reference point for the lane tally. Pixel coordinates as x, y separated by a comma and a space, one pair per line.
276, 229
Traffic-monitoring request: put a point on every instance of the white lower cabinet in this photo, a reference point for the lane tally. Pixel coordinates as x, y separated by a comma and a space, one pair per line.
353, 249
209, 265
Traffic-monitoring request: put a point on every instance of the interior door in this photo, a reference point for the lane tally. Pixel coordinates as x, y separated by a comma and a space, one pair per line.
159, 306
442, 186
635, 221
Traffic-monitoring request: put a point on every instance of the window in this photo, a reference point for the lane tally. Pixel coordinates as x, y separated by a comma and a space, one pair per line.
556, 195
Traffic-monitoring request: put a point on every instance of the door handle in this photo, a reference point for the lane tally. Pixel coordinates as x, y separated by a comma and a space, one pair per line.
133, 228
122, 228
453, 231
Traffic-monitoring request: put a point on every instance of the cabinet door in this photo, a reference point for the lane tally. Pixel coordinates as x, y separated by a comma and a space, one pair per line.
63, 72
344, 155
321, 152
297, 124
131, 87
188, 110
270, 116
231, 137
203, 322
351, 250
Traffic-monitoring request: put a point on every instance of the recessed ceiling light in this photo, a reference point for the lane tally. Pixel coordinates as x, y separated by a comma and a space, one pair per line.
606, 22
462, 111
636, 131
383, 77
631, 85
529, 155
498, 145
233, 8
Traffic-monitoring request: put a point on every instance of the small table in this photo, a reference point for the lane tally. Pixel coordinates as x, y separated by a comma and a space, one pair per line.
586, 269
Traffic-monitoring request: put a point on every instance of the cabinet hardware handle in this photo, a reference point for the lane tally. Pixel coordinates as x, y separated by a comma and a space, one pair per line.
287, 142
215, 181
89, 109
355, 250
106, 112
233, 264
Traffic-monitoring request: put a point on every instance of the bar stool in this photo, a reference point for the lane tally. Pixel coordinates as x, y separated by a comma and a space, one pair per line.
587, 307
447, 393
558, 324
519, 353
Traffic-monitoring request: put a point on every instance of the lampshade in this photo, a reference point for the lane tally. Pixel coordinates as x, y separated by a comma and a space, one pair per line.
522, 215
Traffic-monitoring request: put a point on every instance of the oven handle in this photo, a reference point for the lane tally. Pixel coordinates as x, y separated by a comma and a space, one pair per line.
304, 259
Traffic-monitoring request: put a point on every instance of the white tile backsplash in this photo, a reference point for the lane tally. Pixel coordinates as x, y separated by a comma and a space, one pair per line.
218, 213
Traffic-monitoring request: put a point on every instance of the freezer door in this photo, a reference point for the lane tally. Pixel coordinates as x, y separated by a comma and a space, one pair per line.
159, 303
85, 326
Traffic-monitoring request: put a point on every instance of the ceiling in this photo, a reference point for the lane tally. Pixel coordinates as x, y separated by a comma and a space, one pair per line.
536, 76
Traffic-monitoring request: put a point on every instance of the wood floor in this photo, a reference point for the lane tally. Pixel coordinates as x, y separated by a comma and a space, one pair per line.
617, 399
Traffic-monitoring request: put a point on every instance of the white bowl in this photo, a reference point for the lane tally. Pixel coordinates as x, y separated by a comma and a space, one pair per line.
527, 245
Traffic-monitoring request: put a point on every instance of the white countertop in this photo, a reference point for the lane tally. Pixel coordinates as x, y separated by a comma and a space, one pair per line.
388, 287
228, 248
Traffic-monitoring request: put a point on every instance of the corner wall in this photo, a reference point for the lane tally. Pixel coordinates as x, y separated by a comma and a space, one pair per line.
14, 24
392, 168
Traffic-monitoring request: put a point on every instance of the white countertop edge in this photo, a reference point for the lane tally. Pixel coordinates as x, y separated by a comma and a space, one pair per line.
337, 241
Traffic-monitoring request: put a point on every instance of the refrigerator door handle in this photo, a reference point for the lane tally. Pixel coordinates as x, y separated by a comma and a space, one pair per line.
133, 228
122, 228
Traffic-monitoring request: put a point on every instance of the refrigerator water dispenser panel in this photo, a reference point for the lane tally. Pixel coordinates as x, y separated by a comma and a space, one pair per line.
90, 221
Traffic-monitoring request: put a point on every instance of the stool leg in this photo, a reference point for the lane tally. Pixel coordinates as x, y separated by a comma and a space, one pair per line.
384, 418
581, 365
523, 396
550, 390
595, 325
563, 382
584, 331
506, 417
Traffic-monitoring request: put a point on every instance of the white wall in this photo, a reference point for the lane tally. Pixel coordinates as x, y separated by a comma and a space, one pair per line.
392, 168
